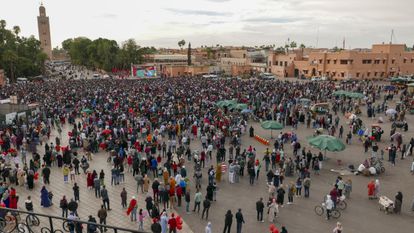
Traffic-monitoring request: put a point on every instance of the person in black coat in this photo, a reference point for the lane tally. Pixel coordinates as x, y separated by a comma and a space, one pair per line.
239, 220
156, 227
228, 220
210, 192
280, 196
259, 209
206, 207
251, 131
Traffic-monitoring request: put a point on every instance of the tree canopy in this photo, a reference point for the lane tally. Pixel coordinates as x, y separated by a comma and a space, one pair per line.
19, 56
105, 54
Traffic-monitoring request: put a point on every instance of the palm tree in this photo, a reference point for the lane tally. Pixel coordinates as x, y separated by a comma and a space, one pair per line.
287, 48
16, 30
3, 24
181, 43
293, 45
10, 58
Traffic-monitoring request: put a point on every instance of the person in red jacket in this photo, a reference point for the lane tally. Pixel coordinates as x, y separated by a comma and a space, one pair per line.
179, 192
172, 223
132, 209
13, 198
371, 189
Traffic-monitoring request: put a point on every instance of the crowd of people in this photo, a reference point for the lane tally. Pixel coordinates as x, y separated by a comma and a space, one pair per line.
148, 128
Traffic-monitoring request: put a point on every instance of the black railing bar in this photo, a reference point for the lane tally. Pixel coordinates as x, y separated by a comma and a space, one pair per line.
65, 219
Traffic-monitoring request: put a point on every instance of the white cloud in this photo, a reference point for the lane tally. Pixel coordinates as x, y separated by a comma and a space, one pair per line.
206, 22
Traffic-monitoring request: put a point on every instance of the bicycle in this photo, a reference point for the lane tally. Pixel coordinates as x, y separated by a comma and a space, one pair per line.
320, 210
340, 202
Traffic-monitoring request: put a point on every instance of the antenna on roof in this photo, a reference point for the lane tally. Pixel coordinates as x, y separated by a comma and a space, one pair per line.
317, 38
392, 35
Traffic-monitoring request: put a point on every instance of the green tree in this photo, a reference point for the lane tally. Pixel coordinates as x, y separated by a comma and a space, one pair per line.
19, 56
16, 30
181, 43
10, 59
293, 44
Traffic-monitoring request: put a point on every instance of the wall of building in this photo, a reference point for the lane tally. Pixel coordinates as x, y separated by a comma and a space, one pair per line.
238, 53
176, 71
233, 61
381, 62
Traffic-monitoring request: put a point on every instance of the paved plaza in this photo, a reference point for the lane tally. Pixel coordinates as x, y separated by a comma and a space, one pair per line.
362, 215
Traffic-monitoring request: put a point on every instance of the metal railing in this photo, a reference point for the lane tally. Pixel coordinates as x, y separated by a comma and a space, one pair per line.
12, 220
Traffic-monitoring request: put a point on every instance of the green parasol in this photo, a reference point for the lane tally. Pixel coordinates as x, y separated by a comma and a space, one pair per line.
355, 95
87, 111
327, 143
272, 125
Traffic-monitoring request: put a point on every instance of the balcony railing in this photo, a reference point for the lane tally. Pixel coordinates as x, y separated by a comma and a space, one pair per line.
19, 221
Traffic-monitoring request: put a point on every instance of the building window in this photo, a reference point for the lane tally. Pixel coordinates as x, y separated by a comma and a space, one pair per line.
405, 60
320, 61
375, 74
393, 61
368, 74
342, 74
335, 61
281, 63
382, 74
285, 63
328, 61
412, 60
333, 74
343, 62
366, 61
383, 61
377, 61
357, 75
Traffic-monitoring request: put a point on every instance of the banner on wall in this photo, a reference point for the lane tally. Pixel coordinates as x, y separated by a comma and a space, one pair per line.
144, 71
10, 117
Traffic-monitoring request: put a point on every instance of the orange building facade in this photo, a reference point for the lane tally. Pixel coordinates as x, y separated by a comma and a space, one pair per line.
382, 61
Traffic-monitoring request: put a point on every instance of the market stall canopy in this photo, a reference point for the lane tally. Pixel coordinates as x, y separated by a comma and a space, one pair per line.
340, 93
240, 106
272, 125
327, 142
87, 111
355, 95
226, 103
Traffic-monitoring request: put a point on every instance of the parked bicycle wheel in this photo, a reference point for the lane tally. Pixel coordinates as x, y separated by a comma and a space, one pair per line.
32, 220
319, 210
335, 213
342, 205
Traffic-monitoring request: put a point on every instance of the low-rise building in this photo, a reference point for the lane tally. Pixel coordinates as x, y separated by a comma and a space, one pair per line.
381, 61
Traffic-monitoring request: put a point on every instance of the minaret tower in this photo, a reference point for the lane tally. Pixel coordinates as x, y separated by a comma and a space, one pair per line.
44, 31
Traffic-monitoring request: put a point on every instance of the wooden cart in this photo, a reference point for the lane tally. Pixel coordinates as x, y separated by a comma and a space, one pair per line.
386, 204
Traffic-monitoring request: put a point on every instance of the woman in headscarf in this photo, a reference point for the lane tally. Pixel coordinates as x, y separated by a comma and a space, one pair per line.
164, 222
208, 227
30, 179
377, 188
398, 202
44, 197
273, 210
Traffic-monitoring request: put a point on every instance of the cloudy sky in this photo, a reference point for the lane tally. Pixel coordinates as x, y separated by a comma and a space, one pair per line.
162, 23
